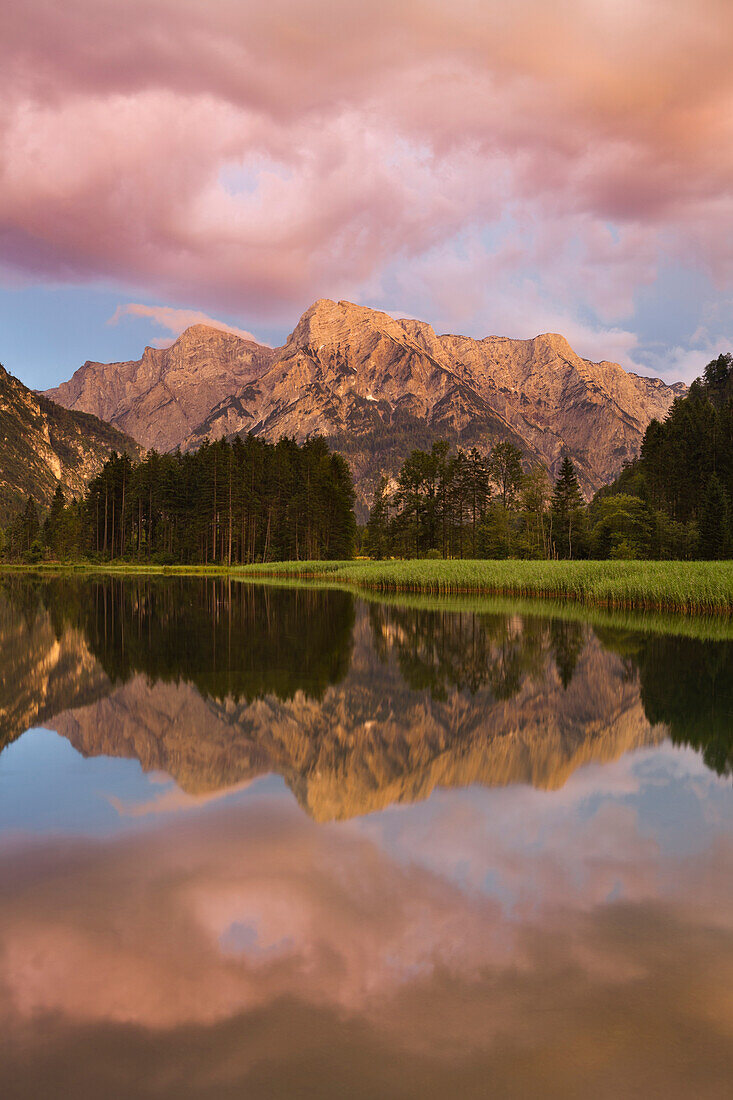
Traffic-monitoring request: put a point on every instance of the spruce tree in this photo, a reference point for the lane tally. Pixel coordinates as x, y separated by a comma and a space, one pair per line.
479, 492
29, 525
238, 501
54, 522
568, 511
714, 521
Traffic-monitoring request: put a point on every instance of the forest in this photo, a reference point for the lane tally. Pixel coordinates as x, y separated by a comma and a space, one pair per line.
678, 495
674, 503
250, 501
227, 503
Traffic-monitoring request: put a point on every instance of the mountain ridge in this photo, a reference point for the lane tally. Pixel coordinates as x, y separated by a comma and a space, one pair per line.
160, 398
377, 385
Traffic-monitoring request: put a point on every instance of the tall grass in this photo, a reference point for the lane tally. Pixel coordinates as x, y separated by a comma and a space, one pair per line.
697, 587
688, 587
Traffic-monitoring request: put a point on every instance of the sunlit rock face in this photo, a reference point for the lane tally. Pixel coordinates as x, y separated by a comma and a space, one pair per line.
374, 385
388, 705
161, 398
43, 444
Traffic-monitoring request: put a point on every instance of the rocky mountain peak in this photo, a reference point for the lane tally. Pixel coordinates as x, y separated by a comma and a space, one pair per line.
206, 335
378, 386
338, 322
555, 342
160, 398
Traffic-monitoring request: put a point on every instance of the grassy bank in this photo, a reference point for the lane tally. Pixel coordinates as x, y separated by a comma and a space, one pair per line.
704, 588
687, 587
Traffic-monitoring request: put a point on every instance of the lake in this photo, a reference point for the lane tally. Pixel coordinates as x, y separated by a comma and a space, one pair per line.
273, 841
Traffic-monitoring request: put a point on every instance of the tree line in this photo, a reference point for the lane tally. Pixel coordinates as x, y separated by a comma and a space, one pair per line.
674, 502
248, 500
469, 505
227, 503
677, 497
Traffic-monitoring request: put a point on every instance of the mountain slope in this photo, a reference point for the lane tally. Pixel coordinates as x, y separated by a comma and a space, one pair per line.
161, 398
379, 387
42, 443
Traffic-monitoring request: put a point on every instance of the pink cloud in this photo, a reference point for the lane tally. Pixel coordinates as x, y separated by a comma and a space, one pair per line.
364, 141
176, 320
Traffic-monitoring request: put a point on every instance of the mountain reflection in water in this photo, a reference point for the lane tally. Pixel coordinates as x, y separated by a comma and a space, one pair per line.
357, 705
534, 928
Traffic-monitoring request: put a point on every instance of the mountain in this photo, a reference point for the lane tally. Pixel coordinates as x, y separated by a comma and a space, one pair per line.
42, 444
162, 398
378, 387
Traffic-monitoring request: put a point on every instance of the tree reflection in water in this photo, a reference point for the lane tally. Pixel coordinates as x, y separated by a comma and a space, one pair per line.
237, 644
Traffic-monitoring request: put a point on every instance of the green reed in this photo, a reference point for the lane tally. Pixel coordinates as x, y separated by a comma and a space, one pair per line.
696, 587
687, 587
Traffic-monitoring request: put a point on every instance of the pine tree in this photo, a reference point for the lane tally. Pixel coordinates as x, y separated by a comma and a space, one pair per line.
479, 493
715, 521
568, 511
29, 525
229, 501
54, 522
534, 497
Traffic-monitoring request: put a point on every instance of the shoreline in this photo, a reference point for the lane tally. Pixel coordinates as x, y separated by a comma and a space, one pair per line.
687, 588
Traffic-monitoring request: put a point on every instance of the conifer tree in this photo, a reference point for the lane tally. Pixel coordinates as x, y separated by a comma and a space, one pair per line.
535, 495
240, 501
54, 522
568, 508
715, 521
29, 525
480, 492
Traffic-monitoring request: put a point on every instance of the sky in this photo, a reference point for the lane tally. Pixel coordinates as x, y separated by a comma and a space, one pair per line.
492, 168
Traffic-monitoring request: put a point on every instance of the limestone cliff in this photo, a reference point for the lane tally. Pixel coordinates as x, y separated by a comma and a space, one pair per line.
161, 398
42, 444
378, 387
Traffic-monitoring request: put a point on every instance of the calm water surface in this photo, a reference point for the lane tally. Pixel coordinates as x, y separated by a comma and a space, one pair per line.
277, 842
